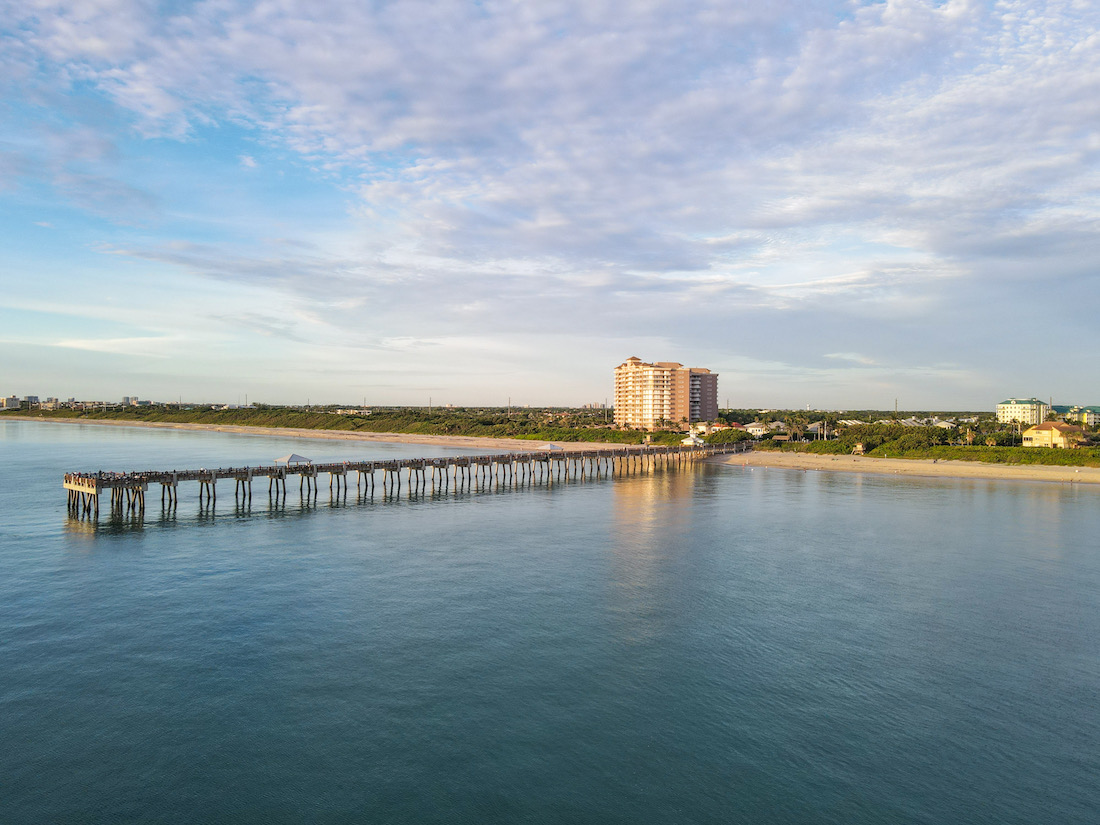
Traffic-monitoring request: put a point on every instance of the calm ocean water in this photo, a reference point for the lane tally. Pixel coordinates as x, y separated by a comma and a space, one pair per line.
716, 644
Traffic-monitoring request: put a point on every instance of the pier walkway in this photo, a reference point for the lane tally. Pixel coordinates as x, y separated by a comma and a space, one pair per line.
127, 490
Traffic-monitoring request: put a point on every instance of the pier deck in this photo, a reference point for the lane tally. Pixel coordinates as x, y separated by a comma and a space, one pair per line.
127, 490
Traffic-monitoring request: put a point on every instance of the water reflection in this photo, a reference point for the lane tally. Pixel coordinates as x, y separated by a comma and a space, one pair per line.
649, 512
88, 525
83, 526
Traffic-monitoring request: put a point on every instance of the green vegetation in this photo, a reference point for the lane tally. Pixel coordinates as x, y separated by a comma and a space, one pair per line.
895, 441
980, 438
1085, 457
727, 437
748, 415
535, 424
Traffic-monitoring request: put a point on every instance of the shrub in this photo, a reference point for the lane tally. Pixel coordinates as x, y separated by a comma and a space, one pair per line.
731, 436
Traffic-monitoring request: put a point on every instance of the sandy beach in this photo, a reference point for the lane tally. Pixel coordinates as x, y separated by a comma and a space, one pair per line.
779, 460
915, 467
459, 441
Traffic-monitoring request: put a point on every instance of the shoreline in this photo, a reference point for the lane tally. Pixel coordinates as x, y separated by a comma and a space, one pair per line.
921, 468
469, 442
916, 467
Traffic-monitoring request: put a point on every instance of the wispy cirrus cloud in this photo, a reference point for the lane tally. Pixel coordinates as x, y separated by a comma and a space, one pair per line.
152, 346
853, 357
754, 177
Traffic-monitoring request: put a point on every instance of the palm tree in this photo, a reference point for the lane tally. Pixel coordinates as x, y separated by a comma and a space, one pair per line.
796, 425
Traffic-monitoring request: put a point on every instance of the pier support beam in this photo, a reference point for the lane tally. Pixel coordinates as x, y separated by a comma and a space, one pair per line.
127, 490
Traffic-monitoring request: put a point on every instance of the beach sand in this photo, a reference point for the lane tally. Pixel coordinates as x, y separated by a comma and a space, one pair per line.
914, 467
779, 460
459, 441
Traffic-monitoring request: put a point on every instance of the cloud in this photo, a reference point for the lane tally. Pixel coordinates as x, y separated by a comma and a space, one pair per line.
586, 137
106, 196
854, 357
268, 326
756, 176
138, 347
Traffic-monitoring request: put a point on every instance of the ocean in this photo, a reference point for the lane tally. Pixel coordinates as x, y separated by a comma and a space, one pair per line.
710, 644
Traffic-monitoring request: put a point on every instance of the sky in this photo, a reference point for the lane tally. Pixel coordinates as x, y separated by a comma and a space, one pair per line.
833, 204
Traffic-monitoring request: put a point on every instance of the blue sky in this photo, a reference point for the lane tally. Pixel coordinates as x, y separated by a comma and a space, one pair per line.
828, 203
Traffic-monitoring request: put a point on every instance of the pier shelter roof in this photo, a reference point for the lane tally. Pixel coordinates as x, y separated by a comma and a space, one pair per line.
293, 458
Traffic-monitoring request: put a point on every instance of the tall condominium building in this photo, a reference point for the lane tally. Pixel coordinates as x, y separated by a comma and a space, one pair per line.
649, 395
1024, 410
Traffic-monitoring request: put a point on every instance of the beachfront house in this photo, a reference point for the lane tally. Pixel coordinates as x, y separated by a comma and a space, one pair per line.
821, 429
1053, 434
708, 427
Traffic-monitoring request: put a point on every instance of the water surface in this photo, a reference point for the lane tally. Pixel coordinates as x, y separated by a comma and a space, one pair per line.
718, 644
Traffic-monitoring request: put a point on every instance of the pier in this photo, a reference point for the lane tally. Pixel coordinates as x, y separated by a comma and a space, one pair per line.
127, 491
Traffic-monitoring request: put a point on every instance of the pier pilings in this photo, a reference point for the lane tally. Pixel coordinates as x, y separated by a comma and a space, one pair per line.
127, 490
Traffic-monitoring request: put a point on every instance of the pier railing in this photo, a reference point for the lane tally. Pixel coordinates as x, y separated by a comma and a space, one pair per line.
127, 490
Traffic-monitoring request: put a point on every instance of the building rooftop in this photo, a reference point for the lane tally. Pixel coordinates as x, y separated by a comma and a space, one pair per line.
1060, 426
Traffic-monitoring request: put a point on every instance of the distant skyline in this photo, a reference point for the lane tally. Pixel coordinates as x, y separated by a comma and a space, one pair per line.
827, 203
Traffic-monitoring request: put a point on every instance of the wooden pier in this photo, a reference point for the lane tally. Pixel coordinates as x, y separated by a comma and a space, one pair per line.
127, 490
